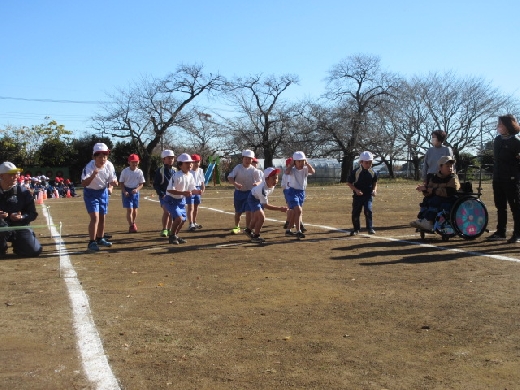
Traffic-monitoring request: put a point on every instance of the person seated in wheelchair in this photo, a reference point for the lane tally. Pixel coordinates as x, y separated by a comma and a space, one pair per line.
439, 193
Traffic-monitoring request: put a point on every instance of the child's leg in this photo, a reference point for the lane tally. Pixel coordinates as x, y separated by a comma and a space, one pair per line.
93, 225
195, 212
166, 220
129, 216
134, 215
100, 231
297, 213
367, 208
189, 212
257, 221
357, 205
176, 225
248, 218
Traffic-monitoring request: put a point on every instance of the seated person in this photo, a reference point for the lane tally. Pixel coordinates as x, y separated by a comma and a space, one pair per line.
439, 193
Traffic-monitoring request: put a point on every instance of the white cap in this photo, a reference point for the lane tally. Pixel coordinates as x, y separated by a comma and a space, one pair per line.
248, 153
268, 172
9, 167
167, 153
366, 156
185, 157
101, 147
299, 156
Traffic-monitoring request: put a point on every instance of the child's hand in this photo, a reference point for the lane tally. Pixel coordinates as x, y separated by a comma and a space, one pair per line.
374, 193
283, 209
358, 192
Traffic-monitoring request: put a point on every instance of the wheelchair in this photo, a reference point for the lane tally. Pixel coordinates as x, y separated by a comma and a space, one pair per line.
467, 218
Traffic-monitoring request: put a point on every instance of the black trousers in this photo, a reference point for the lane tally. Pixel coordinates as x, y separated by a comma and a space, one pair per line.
504, 193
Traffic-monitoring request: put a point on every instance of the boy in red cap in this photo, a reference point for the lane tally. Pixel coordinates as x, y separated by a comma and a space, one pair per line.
131, 182
257, 200
192, 202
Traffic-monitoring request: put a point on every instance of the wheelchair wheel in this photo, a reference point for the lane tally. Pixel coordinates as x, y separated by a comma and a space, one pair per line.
469, 217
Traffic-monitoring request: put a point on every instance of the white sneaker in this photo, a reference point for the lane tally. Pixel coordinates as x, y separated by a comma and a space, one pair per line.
425, 224
415, 223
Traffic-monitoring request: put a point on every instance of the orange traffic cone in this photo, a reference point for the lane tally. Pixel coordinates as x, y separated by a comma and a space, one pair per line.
44, 193
68, 194
39, 200
56, 194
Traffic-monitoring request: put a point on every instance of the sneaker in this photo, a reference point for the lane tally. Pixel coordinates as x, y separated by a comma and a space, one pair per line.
173, 239
164, 233
302, 228
424, 224
300, 235
371, 231
514, 239
257, 239
192, 228
497, 236
103, 242
288, 232
354, 232
181, 240
132, 228
235, 230
198, 226
93, 247
248, 232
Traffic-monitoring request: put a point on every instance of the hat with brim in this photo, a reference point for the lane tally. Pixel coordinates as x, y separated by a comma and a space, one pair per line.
269, 172
248, 153
8, 167
445, 159
133, 157
167, 153
185, 157
101, 148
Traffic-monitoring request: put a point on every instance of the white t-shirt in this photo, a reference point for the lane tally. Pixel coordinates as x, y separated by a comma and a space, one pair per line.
245, 176
131, 179
261, 192
181, 181
106, 175
298, 178
198, 175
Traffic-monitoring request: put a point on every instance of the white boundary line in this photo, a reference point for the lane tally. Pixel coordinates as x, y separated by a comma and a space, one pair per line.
409, 242
93, 358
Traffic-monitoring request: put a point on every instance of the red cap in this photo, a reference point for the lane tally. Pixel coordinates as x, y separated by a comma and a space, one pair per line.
195, 157
133, 157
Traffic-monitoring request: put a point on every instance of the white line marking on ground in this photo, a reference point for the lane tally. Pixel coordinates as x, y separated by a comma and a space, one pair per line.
473, 253
93, 356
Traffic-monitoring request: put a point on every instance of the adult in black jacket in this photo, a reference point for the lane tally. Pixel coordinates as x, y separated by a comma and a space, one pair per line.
17, 209
506, 176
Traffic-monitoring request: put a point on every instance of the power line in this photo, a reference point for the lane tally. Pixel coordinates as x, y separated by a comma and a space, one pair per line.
54, 100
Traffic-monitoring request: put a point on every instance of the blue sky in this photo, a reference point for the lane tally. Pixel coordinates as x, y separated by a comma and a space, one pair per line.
81, 50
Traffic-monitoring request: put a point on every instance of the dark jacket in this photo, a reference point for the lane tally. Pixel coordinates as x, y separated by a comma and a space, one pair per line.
506, 166
18, 199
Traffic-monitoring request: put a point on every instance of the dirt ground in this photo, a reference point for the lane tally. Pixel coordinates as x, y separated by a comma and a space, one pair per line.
389, 311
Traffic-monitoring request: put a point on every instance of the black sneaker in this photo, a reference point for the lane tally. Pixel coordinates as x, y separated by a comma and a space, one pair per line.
497, 236
300, 235
514, 240
248, 232
354, 232
288, 232
173, 239
181, 240
302, 228
257, 239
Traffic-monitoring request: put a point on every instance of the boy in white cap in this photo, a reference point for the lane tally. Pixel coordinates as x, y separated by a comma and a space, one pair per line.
17, 209
298, 171
95, 179
131, 181
192, 203
257, 200
363, 182
243, 177
181, 185
160, 183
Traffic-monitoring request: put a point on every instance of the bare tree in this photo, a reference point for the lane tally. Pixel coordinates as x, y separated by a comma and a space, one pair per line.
264, 119
358, 85
152, 108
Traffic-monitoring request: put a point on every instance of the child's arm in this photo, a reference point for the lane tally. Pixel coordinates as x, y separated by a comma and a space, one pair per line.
310, 168
353, 188
283, 209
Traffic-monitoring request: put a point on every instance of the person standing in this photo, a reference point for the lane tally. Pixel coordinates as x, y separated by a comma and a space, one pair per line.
96, 177
131, 181
433, 154
160, 183
192, 203
506, 177
363, 182
17, 209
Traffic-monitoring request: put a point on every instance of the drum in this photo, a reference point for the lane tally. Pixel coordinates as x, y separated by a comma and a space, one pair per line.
469, 217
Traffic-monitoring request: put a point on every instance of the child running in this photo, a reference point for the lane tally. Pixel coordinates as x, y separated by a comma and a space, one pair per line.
298, 172
131, 181
363, 182
257, 200
193, 201
95, 179
181, 185
243, 177
160, 183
